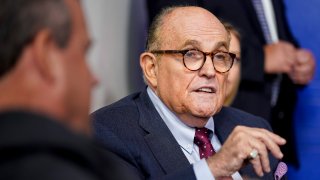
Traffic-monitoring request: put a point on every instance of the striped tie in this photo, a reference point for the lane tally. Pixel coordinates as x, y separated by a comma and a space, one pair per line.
258, 6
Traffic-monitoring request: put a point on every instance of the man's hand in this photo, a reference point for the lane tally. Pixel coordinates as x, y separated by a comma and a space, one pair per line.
237, 148
280, 57
304, 68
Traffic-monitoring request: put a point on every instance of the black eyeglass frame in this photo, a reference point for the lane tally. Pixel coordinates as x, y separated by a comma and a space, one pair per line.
205, 54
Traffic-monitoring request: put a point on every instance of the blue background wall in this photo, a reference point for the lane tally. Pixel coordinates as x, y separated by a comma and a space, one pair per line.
304, 20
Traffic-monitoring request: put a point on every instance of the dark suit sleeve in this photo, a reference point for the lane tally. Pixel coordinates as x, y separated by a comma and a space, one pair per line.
112, 142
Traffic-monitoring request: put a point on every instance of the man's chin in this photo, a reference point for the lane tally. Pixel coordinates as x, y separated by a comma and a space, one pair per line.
205, 110
204, 115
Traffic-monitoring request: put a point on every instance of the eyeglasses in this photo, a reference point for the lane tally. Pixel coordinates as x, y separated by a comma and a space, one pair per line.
194, 59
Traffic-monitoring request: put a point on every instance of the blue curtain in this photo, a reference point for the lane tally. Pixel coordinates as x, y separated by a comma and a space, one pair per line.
304, 21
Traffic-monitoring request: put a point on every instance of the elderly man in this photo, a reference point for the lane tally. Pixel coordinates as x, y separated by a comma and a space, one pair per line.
273, 66
174, 128
44, 95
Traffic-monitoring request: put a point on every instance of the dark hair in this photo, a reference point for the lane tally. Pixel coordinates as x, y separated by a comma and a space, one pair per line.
21, 20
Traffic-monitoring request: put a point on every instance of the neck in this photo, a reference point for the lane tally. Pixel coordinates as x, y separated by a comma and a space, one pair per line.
193, 121
23, 91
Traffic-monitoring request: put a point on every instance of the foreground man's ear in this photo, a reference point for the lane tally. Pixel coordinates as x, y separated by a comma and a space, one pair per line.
45, 51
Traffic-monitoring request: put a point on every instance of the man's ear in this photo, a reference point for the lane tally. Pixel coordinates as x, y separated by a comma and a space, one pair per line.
149, 66
44, 51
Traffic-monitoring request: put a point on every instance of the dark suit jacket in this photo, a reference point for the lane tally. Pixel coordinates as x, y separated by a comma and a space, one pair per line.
134, 130
33, 146
255, 88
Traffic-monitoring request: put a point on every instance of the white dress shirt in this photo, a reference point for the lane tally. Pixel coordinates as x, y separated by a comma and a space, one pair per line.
185, 135
270, 17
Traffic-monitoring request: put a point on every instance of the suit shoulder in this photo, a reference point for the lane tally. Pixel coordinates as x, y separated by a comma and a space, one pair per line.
116, 118
240, 117
125, 104
237, 112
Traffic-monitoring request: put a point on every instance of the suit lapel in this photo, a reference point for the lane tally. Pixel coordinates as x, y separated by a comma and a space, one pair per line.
223, 126
159, 138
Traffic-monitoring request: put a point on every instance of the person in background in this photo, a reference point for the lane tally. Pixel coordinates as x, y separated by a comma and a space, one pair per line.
45, 89
176, 128
234, 74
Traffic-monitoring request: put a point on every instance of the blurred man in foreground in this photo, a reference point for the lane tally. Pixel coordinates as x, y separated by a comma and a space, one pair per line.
177, 128
45, 87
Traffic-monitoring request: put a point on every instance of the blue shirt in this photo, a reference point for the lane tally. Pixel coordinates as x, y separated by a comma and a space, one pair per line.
184, 135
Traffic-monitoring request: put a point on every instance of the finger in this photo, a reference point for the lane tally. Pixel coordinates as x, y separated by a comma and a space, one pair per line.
302, 80
305, 59
288, 62
304, 56
263, 154
287, 68
304, 68
261, 163
291, 60
263, 133
257, 166
271, 140
302, 76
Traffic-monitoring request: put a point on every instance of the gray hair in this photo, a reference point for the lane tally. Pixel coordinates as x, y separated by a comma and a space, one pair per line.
153, 38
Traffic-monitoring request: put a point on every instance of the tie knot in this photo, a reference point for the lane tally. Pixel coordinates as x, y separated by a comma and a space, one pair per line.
203, 141
202, 136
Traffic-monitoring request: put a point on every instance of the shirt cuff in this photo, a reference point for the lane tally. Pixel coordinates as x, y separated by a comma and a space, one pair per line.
202, 171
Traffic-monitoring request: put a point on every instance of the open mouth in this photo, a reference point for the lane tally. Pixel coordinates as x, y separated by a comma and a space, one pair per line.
206, 90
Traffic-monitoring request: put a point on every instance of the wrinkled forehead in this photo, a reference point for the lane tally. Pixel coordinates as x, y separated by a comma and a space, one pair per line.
196, 25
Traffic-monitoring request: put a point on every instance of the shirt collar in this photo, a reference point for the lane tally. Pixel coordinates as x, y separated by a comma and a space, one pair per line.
182, 133
210, 124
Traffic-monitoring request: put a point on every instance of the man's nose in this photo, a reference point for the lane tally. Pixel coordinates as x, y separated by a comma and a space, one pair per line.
207, 69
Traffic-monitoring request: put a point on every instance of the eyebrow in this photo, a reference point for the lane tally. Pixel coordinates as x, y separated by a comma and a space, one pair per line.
193, 43
197, 44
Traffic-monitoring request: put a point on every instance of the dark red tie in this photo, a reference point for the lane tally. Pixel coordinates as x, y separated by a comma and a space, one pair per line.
202, 140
